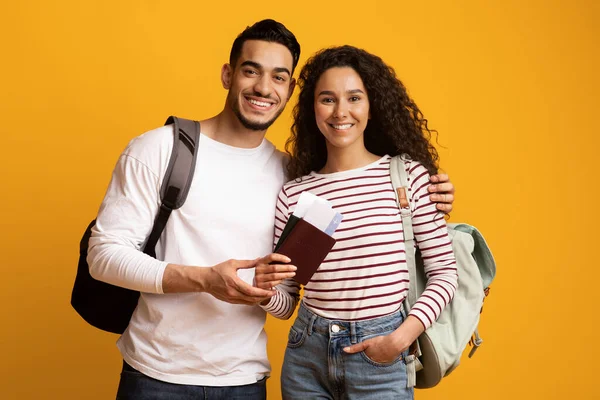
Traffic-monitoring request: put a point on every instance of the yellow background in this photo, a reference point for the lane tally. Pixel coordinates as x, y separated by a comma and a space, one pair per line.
512, 87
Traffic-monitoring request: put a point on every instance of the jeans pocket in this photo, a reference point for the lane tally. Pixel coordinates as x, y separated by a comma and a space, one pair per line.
296, 336
381, 364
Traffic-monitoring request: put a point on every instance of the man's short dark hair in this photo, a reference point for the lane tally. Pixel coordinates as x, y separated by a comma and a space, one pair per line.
267, 30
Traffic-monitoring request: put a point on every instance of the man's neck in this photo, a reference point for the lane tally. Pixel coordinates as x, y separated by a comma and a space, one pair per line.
227, 129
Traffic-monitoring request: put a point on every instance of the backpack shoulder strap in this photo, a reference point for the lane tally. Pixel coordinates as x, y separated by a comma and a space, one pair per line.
178, 177
180, 171
401, 185
403, 199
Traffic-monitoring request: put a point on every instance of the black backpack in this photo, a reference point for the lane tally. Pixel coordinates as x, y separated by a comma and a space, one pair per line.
110, 307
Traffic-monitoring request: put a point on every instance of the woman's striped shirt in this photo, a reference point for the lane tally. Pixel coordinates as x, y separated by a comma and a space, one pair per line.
365, 274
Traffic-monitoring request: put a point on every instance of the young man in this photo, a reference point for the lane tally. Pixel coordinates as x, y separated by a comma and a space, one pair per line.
198, 328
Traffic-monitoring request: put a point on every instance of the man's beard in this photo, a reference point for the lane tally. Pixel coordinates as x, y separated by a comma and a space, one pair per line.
255, 126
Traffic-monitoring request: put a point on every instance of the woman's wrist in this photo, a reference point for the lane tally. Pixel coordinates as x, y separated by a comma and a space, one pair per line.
407, 333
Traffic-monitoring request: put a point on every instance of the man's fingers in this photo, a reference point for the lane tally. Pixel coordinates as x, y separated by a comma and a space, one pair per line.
439, 178
252, 293
442, 198
445, 208
245, 264
268, 285
235, 296
357, 348
248, 302
441, 188
226, 285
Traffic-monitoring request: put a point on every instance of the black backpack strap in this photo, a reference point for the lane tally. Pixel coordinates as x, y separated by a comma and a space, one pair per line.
178, 178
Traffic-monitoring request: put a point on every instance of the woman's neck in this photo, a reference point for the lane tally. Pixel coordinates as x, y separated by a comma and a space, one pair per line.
345, 159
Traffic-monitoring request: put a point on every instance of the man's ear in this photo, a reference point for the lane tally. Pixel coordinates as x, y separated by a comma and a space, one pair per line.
292, 87
226, 76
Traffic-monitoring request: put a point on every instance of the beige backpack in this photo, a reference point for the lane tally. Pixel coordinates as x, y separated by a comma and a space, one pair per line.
438, 350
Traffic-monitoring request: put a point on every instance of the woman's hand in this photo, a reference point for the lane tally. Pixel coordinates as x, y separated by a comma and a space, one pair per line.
271, 270
385, 349
381, 349
268, 273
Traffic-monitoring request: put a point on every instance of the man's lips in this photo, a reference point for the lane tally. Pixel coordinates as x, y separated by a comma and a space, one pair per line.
259, 104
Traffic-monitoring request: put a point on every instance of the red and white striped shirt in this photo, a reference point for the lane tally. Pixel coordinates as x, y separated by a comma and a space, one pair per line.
365, 274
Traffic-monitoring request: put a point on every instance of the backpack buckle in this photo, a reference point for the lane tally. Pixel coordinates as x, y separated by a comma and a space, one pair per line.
402, 199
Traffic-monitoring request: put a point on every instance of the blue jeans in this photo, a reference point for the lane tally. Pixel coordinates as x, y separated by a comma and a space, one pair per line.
316, 367
136, 386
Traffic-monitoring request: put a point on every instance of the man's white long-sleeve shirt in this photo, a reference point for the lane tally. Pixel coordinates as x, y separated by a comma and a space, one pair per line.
189, 338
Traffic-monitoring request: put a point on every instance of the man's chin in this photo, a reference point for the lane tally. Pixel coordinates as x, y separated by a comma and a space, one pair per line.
255, 125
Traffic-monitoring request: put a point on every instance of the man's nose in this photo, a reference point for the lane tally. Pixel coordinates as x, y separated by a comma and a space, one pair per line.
263, 86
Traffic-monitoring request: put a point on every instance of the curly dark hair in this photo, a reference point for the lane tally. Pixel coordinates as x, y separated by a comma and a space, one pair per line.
397, 126
267, 30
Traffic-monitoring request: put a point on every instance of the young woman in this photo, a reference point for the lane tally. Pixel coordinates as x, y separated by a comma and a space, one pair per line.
351, 335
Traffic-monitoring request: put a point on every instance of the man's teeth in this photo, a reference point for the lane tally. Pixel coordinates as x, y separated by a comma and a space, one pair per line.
259, 103
345, 126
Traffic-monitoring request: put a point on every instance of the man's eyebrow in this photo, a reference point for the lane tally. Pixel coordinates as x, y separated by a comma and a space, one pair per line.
254, 64
282, 70
330, 93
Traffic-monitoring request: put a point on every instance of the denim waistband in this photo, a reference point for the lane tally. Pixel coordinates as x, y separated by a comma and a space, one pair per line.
373, 326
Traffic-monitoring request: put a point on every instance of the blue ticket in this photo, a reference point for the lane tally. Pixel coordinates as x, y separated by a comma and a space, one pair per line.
333, 225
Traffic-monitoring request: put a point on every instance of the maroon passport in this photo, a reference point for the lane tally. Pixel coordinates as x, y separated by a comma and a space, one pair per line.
307, 247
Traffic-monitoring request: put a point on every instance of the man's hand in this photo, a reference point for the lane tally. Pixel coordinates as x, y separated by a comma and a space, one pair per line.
221, 281
224, 284
269, 273
442, 192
